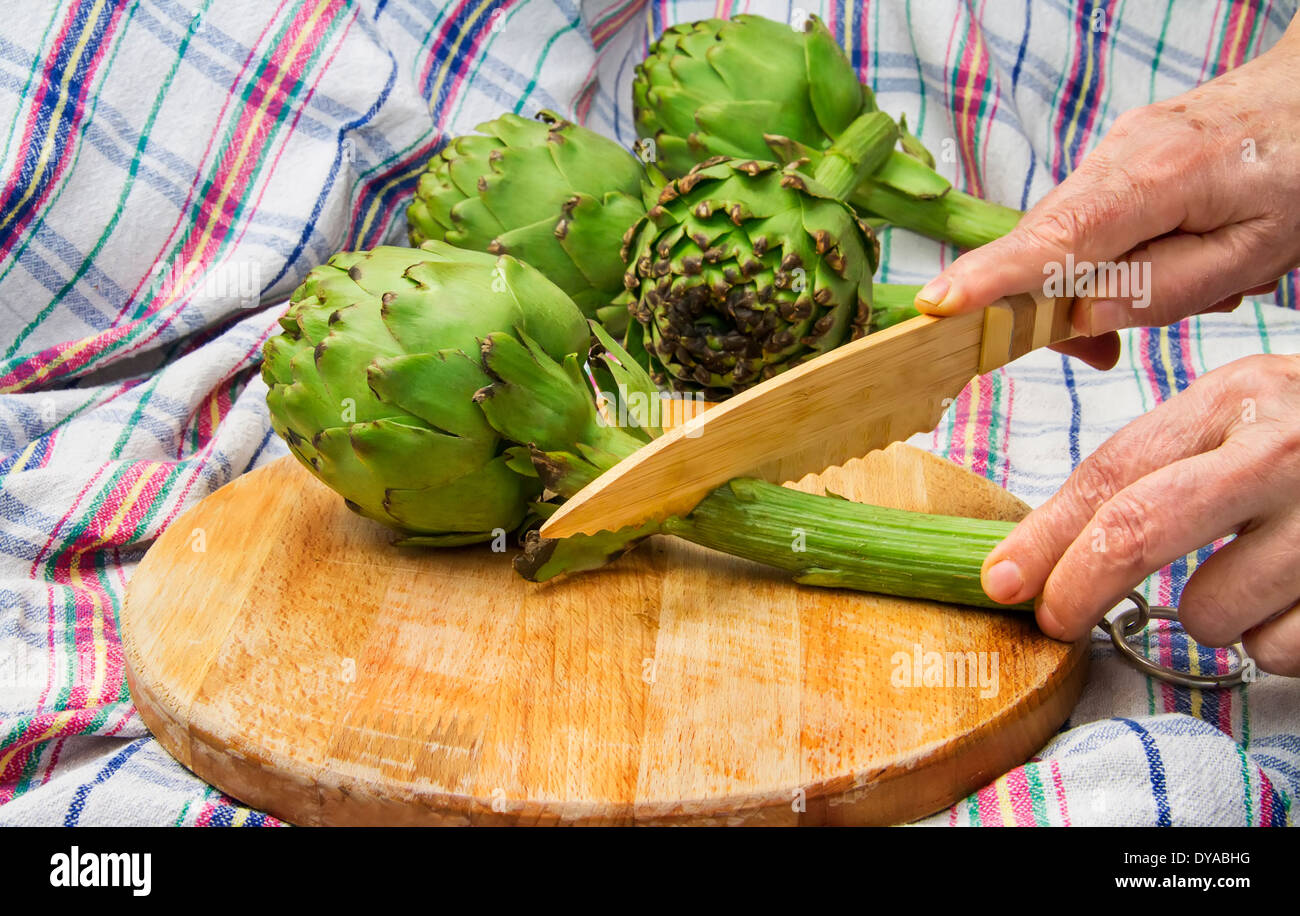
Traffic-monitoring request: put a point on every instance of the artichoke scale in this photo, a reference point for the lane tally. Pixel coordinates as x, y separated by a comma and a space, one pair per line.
490, 497
834, 91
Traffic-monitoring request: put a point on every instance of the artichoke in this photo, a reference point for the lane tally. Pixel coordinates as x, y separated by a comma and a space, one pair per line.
750, 87
372, 383
548, 192
745, 268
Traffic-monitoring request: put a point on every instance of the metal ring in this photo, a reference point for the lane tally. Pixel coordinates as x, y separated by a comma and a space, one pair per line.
1131, 622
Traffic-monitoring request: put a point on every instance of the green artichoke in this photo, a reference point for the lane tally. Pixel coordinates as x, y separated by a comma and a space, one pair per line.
746, 268
750, 87
548, 192
372, 383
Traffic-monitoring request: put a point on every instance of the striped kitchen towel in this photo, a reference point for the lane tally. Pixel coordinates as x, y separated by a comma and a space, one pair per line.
172, 168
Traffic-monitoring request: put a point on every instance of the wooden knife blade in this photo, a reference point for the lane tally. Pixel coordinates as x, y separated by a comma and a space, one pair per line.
858, 397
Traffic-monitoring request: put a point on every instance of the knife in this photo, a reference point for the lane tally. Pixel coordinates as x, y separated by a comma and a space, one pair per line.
858, 397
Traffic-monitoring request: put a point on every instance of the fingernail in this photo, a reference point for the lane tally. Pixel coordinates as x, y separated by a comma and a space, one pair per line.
1003, 581
1107, 315
931, 295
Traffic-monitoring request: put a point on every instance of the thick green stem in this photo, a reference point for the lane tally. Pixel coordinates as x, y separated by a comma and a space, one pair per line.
837, 543
822, 540
863, 168
864, 147
955, 216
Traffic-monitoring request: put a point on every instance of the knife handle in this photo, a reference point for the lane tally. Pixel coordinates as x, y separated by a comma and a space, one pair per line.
1017, 324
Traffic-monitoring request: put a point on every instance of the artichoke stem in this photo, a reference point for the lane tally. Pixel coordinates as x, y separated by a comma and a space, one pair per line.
858, 152
821, 540
966, 221
973, 222
837, 543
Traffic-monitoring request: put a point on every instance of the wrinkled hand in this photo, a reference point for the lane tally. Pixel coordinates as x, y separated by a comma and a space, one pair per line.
1204, 186
1222, 457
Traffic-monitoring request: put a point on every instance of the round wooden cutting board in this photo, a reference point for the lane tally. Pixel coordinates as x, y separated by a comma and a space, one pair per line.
280, 648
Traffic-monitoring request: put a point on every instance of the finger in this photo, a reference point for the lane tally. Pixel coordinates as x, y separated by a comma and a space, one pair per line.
1099, 213
1262, 290
1242, 584
1099, 352
1227, 305
1177, 276
1143, 528
1187, 424
1275, 645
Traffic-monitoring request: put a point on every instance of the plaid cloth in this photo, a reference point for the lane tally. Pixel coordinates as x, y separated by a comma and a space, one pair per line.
172, 169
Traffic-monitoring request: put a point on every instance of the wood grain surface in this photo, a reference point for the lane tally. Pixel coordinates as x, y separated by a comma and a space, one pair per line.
280, 648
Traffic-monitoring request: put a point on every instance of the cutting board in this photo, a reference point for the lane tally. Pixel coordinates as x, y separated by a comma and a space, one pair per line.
280, 648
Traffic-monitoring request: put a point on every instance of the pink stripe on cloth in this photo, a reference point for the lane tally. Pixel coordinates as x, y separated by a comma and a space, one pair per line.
972, 73
197, 249
441, 47
610, 26
1022, 798
990, 809
226, 191
1058, 785
1090, 46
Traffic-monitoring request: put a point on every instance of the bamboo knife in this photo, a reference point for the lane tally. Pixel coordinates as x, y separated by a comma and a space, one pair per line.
858, 397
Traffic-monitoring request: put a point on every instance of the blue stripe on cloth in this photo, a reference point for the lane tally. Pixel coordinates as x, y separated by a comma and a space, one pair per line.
114, 764
1076, 411
461, 47
266, 440
1015, 80
1156, 767
1179, 643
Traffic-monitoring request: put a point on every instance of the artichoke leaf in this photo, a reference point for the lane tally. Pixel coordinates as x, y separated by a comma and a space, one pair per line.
912, 144
834, 90
492, 496
438, 387
532, 398
912, 177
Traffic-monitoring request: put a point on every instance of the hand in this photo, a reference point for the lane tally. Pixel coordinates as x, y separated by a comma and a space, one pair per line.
1221, 457
1204, 186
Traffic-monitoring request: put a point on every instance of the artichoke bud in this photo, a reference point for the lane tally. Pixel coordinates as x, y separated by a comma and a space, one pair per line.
715, 87
744, 269
546, 191
372, 383
751, 88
